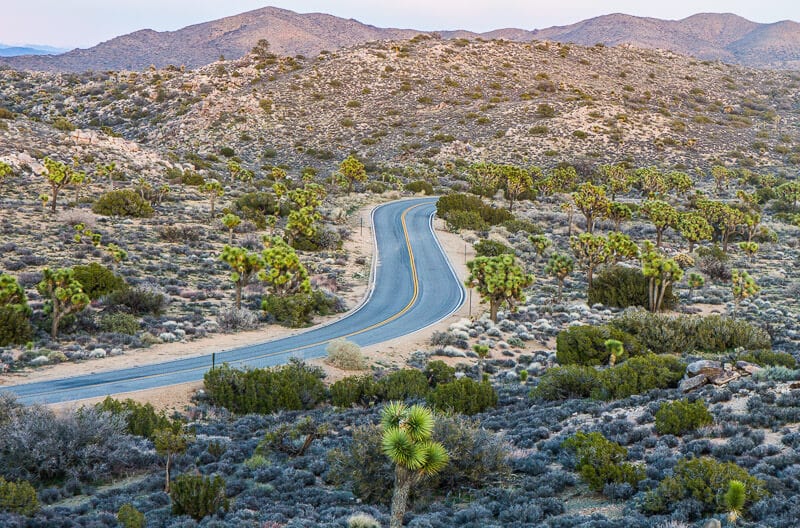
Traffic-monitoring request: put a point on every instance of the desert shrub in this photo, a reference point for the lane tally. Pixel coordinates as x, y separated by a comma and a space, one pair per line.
491, 248
769, 358
120, 323
477, 458
354, 390
18, 497
345, 355
639, 375
704, 480
123, 202
716, 333
586, 345
237, 319
472, 220
438, 372
129, 517
621, 287
420, 186
256, 206
179, 234
294, 386
198, 496
679, 417
362, 520
97, 280
299, 309
465, 396
138, 300
601, 461
515, 225
15, 326
141, 419
571, 381
465, 211
403, 384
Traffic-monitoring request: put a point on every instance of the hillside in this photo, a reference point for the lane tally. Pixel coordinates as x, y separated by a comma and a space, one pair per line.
724, 37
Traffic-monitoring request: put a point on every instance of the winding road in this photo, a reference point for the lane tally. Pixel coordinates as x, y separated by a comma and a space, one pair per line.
413, 286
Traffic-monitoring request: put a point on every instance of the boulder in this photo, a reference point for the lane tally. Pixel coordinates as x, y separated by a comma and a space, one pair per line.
695, 382
704, 366
712, 523
747, 367
724, 377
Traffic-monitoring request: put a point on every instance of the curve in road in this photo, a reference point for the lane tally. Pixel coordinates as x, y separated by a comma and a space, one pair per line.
413, 286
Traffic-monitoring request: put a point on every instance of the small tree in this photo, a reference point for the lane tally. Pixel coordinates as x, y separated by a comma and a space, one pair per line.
407, 442
621, 247
591, 200
722, 176
694, 228
568, 209
735, 499
560, 266
59, 175
590, 252
350, 171
540, 244
517, 182
499, 280
662, 215
615, 351
169, 443
484, 178
616, 178
743, 285
65, 295
790, 193
482, 352
618, 213
213, 189
661, 273
245, 266
694, 282
750, 249
5, 170
283, 272
231, 221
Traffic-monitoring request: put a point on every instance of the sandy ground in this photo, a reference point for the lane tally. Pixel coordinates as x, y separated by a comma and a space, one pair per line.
177, 397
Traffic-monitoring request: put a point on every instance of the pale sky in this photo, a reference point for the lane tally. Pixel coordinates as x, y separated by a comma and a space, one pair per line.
84, 23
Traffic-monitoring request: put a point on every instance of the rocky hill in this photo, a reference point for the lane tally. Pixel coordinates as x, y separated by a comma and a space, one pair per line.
724, 37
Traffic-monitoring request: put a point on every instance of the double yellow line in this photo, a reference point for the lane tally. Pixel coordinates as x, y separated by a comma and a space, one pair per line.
414, 297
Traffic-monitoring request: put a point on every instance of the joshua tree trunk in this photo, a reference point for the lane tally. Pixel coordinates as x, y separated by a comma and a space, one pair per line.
54, 327
493, 306
166, 484
402, 487
239, 295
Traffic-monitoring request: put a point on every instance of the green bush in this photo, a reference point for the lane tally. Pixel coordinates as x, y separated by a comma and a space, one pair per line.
768, 358
457, 209
97, 280
639, 375
141, 419
586, 345
354, 390
706, 481
123, 202
515, 225
403, 384
601, 461
294, 386
679, 417
465, 396
138, 300
438, 372
571, 381
120, 323
472, 220
18, 497
129, 517
198, 496
621, 287
15, 326
491, 248
683, 334
299, 309
420, 186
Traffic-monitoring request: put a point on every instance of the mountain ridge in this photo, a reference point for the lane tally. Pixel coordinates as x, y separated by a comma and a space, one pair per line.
707, 36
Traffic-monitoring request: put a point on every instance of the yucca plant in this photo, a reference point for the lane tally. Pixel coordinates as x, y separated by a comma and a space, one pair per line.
407, 442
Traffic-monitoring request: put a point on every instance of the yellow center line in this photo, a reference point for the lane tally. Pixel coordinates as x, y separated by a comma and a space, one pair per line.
414, 278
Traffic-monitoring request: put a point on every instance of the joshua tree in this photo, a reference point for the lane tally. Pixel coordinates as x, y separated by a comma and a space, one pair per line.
591, 200
213, 189
64, 293
245, 266
618, 213
350, 171
722, 176
169, 443
590, 251
615, 351
694, 228
662, 215
743, 285
616, 178
5, 170
559, 266
750, 249
694, 282
58, 175
283, 271
660, 272
407, 442
483, 352
517, 182
231, 221
499, 280
621, 247
540, 244
484, 178
734, 500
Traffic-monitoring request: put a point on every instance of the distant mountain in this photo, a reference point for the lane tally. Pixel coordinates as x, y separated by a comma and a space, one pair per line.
725, 37
30, 49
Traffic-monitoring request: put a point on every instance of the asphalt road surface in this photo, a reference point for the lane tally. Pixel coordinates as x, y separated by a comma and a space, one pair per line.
413, 287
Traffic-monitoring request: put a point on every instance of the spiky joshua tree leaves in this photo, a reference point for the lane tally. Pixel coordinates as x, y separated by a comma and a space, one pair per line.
559, 266
591, 200
59, 175
744, 286
351, 171
590, 251
284, 273
245, 265
65, 294
735, 499
662, 215
231, 221
407, 442
499, 280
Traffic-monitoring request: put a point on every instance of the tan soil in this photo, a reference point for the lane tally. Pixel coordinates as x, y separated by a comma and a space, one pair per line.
177, 397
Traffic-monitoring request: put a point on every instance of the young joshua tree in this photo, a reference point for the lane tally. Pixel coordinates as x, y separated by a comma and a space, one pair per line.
591, 200
231, 221
559, 266
245, 265
64, 293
